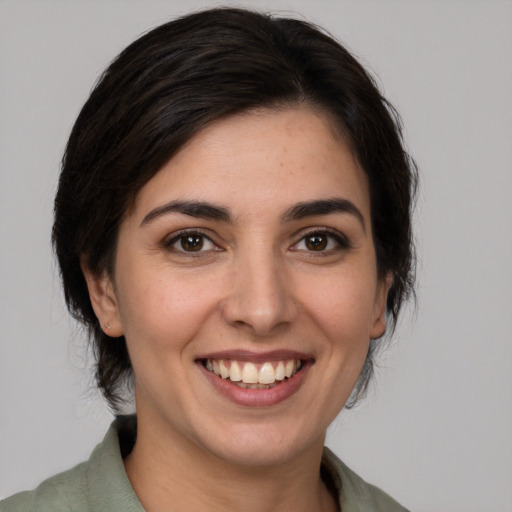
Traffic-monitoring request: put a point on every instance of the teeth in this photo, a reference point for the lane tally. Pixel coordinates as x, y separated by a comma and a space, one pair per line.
234, 372
289, 368
280, 375
224, 372
254, 386
248, 373
267, 374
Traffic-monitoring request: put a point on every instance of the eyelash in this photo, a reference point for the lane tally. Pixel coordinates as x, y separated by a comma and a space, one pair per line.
341, 241
180, 236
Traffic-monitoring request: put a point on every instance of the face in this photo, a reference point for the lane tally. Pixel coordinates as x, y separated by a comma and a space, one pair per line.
246, 286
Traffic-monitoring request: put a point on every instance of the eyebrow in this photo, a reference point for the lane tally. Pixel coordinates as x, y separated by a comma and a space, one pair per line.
323, 207
198, 209
205, 210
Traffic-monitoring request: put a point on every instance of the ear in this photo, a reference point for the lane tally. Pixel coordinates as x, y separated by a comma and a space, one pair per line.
379, 322
104, 301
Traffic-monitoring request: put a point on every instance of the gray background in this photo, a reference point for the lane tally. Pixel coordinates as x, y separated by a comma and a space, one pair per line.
436, 430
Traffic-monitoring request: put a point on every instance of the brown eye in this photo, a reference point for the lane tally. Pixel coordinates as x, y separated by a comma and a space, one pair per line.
323, 242
192, 243
317, 242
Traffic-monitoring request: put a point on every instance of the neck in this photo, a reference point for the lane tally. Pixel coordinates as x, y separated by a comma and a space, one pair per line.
175, 474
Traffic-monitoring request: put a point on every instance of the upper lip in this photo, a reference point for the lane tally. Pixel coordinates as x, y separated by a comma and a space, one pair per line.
256, 357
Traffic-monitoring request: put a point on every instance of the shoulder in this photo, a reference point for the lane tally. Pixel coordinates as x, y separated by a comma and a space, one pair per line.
98, 484
355, 494
66, 491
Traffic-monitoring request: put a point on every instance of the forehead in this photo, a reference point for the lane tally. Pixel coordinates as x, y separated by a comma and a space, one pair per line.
270, 158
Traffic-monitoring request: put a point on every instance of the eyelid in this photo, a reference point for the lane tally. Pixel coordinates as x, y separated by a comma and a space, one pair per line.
341, 239
174, 237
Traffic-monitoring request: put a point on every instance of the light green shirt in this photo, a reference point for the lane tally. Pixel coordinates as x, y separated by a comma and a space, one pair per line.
101, 485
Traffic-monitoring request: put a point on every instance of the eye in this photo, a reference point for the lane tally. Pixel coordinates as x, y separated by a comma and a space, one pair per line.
321, 241
190, 242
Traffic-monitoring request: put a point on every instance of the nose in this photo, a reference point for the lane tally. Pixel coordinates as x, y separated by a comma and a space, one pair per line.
260, 299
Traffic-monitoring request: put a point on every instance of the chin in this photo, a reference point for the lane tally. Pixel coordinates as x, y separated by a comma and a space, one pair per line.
262, 445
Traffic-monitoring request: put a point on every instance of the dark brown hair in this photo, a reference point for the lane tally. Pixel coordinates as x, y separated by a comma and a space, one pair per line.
174, 81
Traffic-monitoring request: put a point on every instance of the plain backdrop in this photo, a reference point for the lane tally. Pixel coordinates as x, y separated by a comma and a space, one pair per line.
436, 430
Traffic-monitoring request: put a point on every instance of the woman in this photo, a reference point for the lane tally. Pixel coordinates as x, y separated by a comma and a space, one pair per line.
233, 226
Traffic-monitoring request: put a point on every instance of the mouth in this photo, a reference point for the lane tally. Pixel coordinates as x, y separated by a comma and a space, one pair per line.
252, 375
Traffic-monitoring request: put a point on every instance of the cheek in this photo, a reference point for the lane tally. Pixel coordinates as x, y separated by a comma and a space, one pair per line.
343, 307
164, 310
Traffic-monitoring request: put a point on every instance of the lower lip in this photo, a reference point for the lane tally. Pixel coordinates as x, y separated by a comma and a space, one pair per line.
258, 397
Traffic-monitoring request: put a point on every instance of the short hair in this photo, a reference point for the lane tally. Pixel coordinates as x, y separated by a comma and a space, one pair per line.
174, 81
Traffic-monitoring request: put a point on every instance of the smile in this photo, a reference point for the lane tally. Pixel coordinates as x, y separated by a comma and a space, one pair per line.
246, 374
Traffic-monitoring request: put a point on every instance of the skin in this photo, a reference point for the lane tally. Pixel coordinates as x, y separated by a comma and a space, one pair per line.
255, 285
